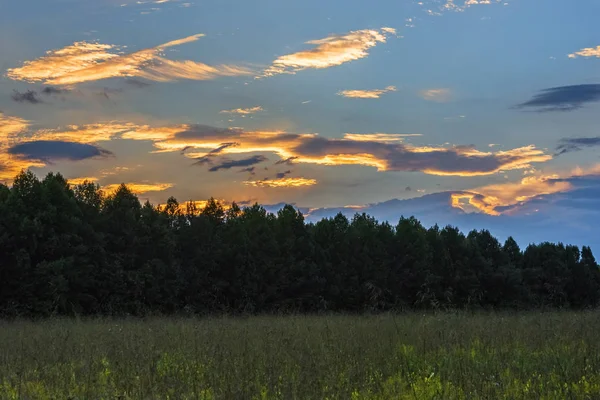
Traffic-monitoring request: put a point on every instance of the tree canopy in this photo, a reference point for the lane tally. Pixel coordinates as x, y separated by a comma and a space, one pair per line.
72, 250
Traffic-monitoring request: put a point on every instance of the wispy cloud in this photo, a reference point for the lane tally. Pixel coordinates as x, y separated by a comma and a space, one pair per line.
440, 95
282, 182
86, 62
243, 111
331, 51
366, 94
563, 98
587, 52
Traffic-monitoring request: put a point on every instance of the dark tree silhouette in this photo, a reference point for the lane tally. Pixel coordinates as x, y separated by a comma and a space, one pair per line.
72, 250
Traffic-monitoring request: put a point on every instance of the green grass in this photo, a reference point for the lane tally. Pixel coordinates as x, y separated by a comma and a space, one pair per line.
443, 356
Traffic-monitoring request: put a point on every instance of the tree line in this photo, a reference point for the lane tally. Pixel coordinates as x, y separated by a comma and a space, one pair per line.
72, 250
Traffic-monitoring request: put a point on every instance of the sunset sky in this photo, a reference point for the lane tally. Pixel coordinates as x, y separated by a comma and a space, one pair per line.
486, 108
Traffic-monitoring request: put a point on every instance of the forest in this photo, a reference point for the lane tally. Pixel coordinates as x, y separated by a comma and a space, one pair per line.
71, 250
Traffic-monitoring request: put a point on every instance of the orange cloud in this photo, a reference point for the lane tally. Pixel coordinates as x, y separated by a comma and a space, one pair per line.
282, 182
505, 197
366, 94
331, 51
79, 181
87, 134
587, 52
386, 153
86, 62
379, 137
138, 188
243, 111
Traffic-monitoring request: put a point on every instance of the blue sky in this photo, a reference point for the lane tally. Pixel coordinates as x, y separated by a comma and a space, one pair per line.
472, 100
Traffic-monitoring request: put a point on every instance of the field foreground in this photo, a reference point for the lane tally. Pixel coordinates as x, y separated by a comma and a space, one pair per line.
443, 356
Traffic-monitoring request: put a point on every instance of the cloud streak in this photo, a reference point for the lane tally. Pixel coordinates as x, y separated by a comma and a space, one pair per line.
86, 62
366, 94
282, 183
330, 51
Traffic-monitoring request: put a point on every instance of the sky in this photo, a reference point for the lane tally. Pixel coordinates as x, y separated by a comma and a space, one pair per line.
476, 113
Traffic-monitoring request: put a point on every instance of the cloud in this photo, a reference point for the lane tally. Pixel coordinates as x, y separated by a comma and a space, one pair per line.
138, 188
282, 182
250, 170
568, 145
587, 52
30, 96
366, 94
239, 163
87, 62
379, 137
511, 197
243, 111
438, 95
311, 148
331, 51
451, 5
564, 98
88, 134
48, 151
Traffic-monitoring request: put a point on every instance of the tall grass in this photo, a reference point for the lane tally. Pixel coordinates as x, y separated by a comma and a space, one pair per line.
443, 356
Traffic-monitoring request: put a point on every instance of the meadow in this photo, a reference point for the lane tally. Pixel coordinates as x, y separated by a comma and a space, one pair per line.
553, 355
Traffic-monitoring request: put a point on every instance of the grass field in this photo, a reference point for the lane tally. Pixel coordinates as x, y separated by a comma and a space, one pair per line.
443, 356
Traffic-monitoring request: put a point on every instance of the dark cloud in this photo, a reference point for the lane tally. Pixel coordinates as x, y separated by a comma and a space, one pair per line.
282, 175
208, 158
205, 131
222, 147
30, 96
48, 151
287, 161
249, 170
246, 162
564, 98
569, 145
